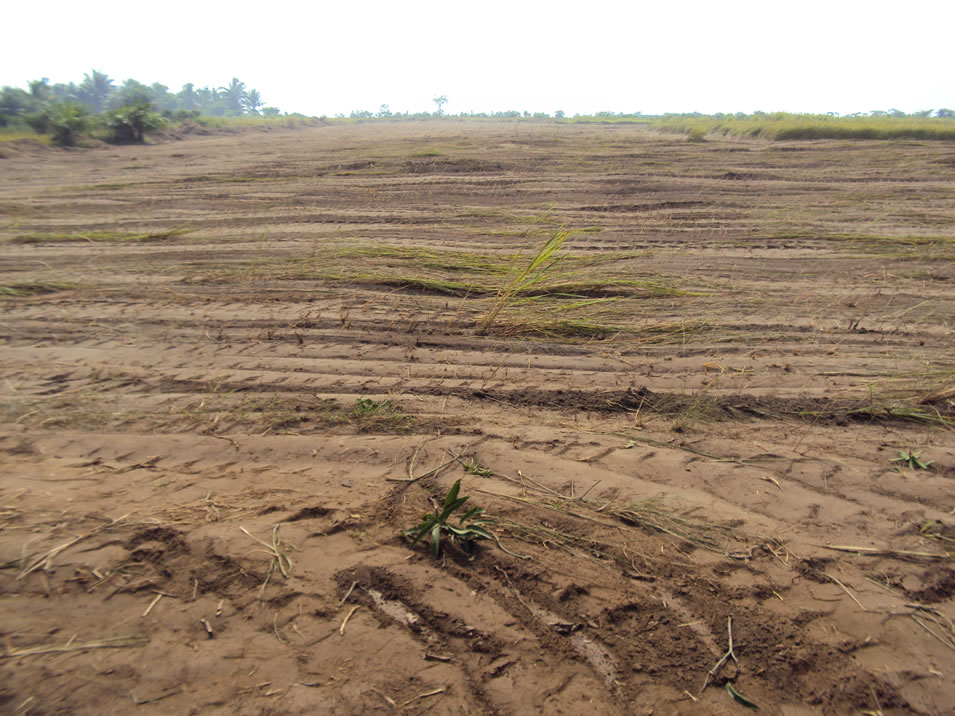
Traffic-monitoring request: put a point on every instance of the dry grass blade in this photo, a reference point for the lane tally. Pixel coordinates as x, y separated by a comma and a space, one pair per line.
846, 590
947, 639
878, 552
341, 629
118, 642
425, 695
429, 473
942, 622
937, 396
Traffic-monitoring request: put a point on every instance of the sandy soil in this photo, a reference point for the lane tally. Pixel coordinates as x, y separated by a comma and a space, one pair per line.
203, 489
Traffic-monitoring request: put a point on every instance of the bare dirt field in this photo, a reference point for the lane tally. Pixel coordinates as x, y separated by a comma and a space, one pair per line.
236, 367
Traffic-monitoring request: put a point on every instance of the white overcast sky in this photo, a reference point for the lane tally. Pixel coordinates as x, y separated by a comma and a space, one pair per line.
325, 58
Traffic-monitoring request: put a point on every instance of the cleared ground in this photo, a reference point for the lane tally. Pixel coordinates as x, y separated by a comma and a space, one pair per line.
236, 367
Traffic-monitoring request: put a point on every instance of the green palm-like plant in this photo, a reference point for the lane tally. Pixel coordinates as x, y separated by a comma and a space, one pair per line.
469, 528
913, 460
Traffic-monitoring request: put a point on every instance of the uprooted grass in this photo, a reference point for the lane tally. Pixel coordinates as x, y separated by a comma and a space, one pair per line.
97, 237
33, 288
602, 319
927, 397
902, 247
582, 276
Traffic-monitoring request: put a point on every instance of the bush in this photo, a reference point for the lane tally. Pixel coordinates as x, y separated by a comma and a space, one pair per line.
131, 122
67, 120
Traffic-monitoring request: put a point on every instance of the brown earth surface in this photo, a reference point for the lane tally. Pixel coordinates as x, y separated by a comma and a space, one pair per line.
236, 367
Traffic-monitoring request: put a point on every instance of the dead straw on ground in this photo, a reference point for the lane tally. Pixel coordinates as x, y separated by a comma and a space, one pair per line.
118, 642
645, 514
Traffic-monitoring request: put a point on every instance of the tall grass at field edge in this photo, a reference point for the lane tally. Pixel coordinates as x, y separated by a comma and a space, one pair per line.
796, 127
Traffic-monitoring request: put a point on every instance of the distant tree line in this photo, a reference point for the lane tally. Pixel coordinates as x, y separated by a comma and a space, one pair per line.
125, 111
384, 112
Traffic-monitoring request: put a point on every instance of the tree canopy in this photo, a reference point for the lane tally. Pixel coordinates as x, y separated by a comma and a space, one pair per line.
98, 93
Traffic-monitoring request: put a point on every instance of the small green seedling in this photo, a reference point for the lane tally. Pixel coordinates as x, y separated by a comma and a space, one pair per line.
913, 460
469, 528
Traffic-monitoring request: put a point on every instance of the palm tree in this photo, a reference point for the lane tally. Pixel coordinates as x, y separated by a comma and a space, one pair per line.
234, 95
206, 96
40, 89
252, 101
187, 96
95, 89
